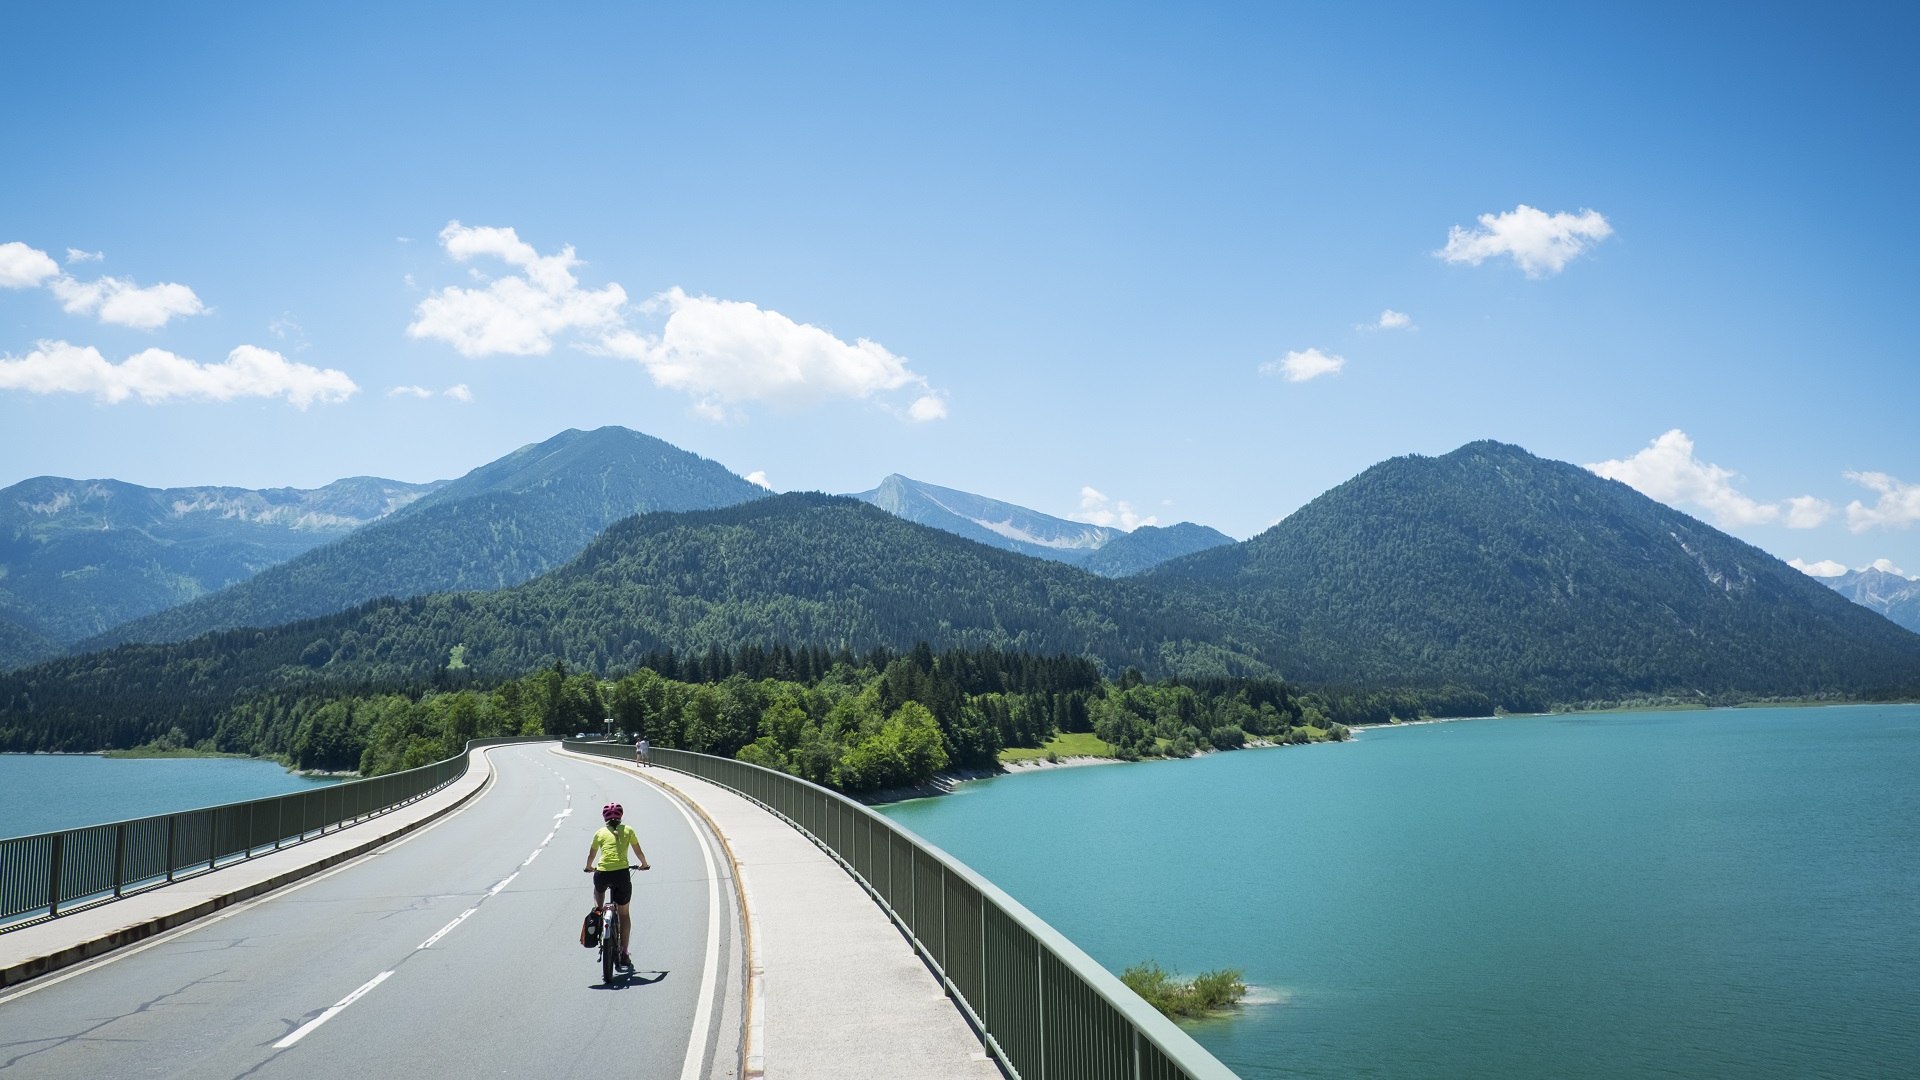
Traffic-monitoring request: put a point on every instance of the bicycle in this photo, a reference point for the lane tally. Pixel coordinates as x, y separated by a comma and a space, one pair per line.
609, 941
609, 934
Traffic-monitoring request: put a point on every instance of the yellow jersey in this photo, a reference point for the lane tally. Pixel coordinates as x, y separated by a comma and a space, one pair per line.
611, 846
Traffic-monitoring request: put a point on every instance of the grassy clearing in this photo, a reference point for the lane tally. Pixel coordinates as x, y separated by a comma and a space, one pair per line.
1203, 995
1075, 744
169, 752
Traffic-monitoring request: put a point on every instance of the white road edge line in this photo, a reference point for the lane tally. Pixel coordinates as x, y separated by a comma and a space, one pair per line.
307, 1028
703, 1011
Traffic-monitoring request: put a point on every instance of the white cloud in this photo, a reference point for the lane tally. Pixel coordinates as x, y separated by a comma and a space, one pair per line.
518, 315
1541, 244
1668, 471
125, 304
1394, 320
726, 352
1807, 512
1303, 365
759, 476
1823, 568
459, 393
155, 376
22, 267
111, 299
1897, 507
927, 407
1886, 566
723, 353
1097, 509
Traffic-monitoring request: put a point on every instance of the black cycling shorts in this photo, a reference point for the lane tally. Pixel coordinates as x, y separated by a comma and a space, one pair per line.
620, 881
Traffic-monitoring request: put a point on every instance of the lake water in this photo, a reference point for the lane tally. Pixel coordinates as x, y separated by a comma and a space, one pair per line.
1732, 893
44, 792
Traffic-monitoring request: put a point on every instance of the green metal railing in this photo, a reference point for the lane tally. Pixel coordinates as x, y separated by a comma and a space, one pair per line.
52, 874
1043, 1008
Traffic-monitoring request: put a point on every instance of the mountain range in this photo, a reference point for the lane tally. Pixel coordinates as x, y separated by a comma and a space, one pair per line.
1489, 570
1896, 597
499, 525
78, 557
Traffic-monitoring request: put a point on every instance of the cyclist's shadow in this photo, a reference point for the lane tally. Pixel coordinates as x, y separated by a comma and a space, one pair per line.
632, 978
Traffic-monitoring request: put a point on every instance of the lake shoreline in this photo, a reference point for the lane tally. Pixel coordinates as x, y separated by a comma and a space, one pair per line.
947, 782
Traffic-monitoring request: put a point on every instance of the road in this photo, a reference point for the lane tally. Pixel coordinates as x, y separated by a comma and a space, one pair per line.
452, 951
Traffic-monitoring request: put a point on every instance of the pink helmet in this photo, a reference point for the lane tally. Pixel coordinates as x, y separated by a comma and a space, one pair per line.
612, 812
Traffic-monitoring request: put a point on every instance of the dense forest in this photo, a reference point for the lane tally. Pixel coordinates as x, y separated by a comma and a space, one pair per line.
808, 570
880, 720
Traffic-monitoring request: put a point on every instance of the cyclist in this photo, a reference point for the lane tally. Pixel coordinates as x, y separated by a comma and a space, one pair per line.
642, 753
607, 860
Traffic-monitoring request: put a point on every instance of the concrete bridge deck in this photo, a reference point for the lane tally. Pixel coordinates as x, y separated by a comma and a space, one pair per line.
821, 983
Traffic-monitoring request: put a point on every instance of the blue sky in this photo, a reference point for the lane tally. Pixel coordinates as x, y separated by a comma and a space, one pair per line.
1126, 263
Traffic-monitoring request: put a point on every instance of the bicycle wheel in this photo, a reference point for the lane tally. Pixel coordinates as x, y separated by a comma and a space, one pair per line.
609, 952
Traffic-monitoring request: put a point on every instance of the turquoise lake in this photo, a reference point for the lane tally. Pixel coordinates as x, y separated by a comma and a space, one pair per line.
44, 792
1729, 893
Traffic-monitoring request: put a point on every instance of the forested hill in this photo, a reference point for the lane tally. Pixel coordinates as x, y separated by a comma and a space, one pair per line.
1491, 568
831, 571
1150, 545
796, 569
501, 524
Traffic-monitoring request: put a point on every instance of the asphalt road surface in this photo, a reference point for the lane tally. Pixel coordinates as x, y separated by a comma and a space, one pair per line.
453, 951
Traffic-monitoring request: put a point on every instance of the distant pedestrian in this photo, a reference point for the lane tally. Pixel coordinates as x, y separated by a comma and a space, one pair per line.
642, 753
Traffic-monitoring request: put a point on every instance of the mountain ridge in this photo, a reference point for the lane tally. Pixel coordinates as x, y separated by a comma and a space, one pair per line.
502, 523
1893, 595
1100, 549
1542, 579
80, 556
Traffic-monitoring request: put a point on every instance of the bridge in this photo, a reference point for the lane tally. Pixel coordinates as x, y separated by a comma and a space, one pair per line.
783, 932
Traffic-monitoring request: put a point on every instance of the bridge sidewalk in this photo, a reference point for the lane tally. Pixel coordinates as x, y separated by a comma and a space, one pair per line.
45, 947
835, 992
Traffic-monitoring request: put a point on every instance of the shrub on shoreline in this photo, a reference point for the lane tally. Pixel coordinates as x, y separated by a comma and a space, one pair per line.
1203, 995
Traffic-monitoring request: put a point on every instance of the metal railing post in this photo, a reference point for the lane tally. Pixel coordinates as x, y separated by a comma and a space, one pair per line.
1040, 1007
119, 859
53, 877
171, 819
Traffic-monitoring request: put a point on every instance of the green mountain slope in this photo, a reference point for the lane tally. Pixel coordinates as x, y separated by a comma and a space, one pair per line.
499, 525
80, 556
21, 644
1492, 568
789, 569
1487, 570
